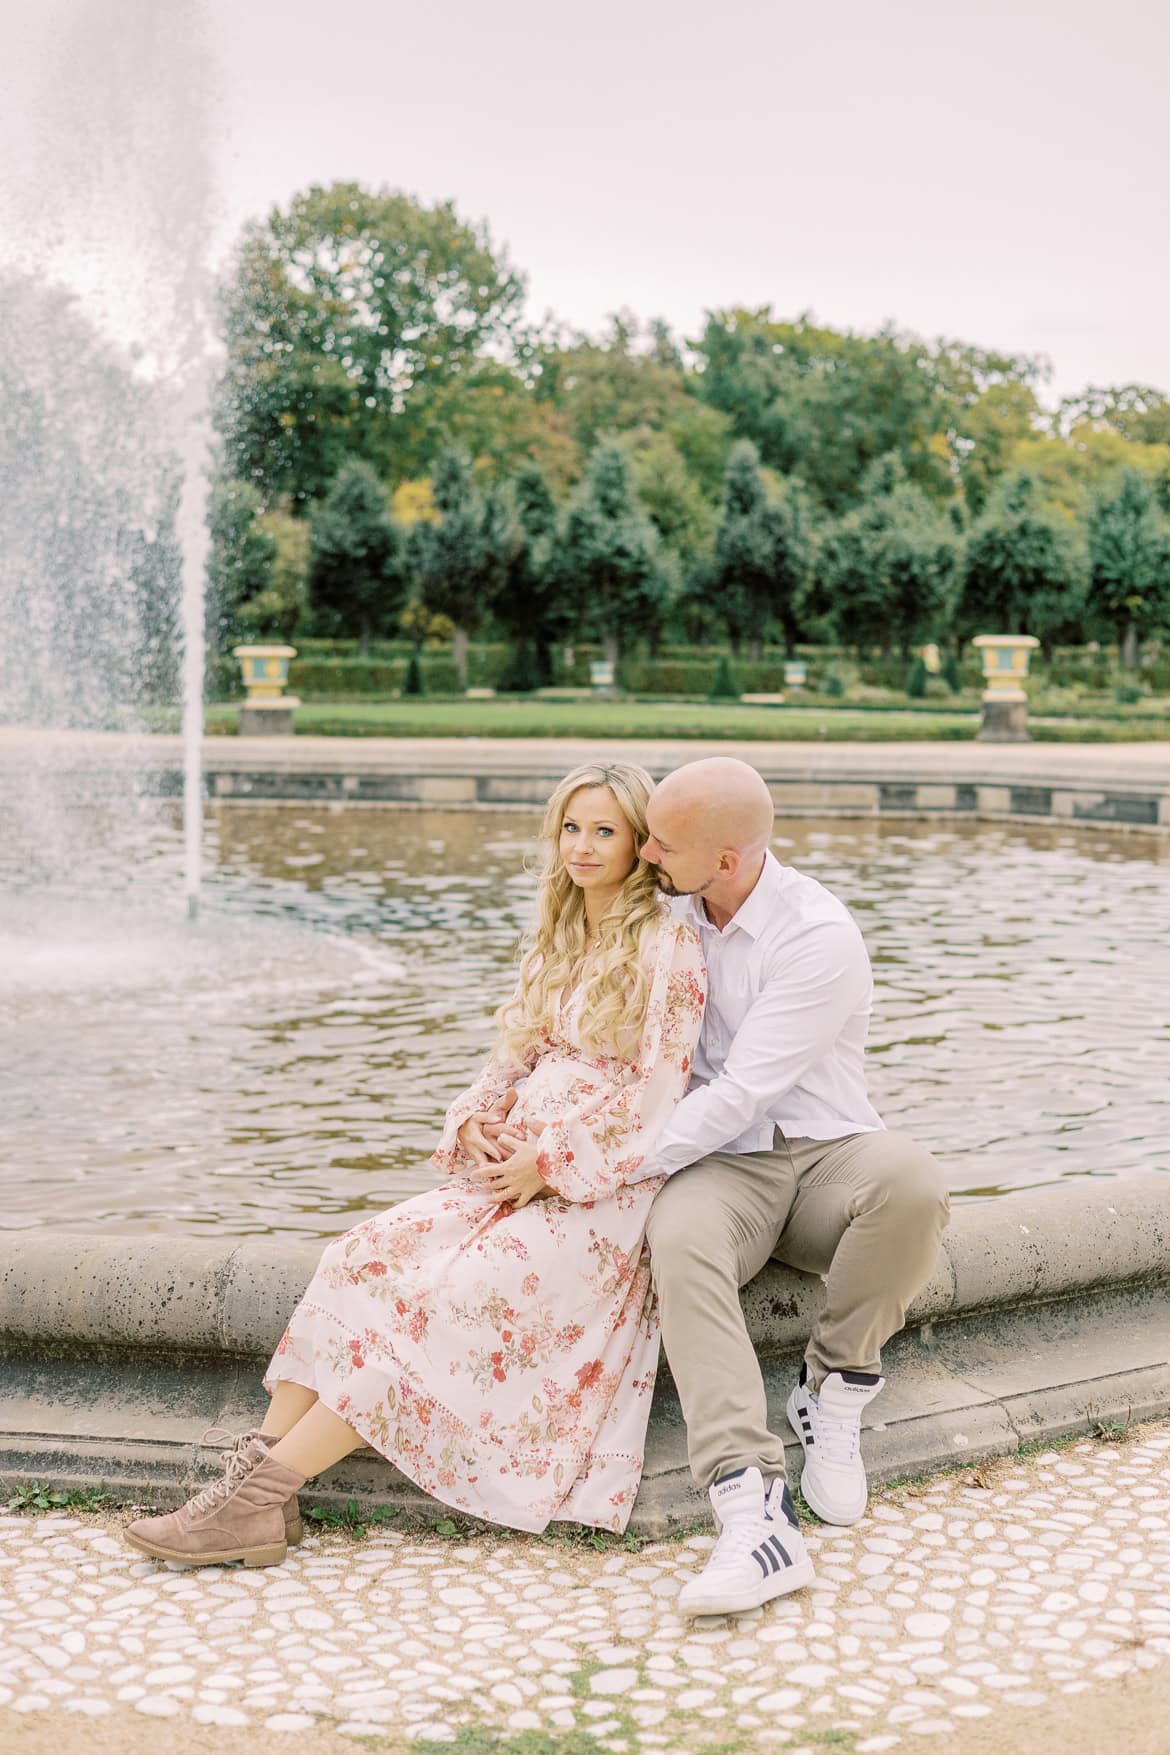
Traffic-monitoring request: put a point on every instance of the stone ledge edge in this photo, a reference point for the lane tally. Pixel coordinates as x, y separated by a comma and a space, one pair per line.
151, 1292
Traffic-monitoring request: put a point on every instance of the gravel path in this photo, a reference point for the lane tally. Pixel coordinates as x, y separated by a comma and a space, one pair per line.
957, 1608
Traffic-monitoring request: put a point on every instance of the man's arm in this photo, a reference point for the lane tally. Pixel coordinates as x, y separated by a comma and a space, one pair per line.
802, 1007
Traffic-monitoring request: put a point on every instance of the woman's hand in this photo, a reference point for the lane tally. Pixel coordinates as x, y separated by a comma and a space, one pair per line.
517, 1180
479, 1135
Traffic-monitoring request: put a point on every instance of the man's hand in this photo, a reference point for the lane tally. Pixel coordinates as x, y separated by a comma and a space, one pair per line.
479, 1135
517, 1180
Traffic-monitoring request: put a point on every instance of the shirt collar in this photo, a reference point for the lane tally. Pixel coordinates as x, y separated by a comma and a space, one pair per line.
756, 909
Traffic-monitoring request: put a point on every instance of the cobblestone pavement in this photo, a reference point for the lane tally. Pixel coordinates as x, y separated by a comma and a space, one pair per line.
955, 1599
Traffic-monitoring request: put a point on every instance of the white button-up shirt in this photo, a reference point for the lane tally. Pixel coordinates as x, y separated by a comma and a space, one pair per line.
789, 992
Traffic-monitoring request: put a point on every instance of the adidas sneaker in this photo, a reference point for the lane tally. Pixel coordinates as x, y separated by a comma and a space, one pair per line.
828, 1424
760, 1553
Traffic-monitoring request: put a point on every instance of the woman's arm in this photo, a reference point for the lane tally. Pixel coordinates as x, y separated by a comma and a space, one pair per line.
500, 1072
589, 1155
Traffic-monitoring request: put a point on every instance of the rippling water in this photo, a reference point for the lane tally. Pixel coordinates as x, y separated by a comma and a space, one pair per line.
284, 1066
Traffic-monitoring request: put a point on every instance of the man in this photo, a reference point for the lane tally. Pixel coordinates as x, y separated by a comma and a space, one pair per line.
774, 1153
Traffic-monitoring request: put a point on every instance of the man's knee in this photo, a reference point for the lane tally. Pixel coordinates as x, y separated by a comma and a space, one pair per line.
903, 1176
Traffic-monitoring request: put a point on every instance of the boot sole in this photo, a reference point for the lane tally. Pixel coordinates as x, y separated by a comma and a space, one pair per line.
808, 1491
269, 1555
779, 1584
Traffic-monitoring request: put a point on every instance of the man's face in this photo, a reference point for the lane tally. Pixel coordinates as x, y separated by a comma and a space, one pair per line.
681, 870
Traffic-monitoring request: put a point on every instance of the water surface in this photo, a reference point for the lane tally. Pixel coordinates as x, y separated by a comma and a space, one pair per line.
284, 1066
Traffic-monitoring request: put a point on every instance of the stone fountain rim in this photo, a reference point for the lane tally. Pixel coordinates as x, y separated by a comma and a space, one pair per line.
149, 1291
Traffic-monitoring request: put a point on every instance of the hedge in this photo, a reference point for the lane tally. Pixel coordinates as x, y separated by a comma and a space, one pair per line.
331, 670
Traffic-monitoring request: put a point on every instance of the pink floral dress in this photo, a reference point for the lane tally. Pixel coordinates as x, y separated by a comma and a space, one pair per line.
505, 1359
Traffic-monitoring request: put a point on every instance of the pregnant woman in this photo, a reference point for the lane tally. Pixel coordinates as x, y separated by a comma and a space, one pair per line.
497, 1337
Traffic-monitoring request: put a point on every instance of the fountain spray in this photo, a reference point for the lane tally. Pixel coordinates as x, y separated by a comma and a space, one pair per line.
109, 231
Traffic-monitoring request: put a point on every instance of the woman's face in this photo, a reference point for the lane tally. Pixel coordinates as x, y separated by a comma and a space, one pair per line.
596, 842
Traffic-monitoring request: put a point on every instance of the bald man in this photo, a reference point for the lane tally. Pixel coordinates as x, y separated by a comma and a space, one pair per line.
775, 1153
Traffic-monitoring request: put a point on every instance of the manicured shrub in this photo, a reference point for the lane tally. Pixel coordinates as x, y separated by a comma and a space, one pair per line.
723, 687
524, 672
325, 679
916, 680
413, 681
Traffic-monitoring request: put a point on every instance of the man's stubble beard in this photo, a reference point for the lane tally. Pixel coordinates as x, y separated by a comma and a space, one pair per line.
668, 887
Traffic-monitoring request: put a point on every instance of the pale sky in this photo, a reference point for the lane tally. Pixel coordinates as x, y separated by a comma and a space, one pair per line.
995, 172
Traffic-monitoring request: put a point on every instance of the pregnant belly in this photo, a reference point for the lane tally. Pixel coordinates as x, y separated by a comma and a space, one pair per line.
559, 1086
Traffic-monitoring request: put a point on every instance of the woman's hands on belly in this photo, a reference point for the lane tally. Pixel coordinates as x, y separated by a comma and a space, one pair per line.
516, 1180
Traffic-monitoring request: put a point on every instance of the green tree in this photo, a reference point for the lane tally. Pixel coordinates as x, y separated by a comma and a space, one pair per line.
357, 562
275, 612
886, 572
822, 404
1136, 411
611, 555
1129, 565
534, 608
348, 318
241, 556
461, 559
762, 553
671, 496
625, 380
1024, 568
991, 406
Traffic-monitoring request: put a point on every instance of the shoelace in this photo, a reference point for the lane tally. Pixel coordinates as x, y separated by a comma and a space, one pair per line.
838, 1436
235, 1440
237, 1467
740, 1535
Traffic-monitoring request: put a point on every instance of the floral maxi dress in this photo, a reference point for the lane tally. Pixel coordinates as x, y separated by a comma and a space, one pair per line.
505, 1359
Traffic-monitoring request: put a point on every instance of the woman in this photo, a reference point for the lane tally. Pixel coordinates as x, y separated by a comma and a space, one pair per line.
497, 1337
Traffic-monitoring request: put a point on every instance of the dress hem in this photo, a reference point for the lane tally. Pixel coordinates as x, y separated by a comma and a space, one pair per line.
614, 1526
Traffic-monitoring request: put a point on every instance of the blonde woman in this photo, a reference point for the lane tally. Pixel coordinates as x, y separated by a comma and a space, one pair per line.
497, 1337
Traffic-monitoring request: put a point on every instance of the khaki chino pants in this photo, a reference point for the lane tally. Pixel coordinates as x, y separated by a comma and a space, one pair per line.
867, 1210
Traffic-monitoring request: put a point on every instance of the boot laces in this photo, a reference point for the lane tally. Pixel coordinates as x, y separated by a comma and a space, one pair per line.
838, 1435
237, 1468
235, 1440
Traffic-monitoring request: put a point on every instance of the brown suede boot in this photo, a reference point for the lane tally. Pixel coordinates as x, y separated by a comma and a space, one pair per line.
240, 1517
294, 1529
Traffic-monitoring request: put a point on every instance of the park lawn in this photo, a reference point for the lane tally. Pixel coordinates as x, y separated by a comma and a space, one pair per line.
455, 717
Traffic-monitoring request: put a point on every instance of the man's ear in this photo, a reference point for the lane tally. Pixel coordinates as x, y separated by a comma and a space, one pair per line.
729, 862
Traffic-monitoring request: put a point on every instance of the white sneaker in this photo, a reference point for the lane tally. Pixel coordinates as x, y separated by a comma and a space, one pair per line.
828, 1424
760, 1552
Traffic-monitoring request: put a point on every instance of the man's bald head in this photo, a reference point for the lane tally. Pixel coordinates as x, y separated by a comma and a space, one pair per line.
720, 802
708, 820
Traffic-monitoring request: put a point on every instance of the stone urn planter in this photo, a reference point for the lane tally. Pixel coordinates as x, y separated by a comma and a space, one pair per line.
267, 711
1004, 715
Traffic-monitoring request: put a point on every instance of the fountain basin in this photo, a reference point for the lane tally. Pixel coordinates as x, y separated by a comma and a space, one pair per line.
1046, 1315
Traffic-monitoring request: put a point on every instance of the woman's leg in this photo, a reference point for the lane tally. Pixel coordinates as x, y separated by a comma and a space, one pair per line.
318, 1440
289, 1402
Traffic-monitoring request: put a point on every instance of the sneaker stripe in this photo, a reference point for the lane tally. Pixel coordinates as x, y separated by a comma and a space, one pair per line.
758, 1557
775, 1542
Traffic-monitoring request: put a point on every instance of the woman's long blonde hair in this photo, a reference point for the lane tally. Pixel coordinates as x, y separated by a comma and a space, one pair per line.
616, 987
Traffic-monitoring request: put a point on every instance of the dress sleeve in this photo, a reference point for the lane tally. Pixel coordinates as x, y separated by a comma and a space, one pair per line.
500, 1072
591, 1153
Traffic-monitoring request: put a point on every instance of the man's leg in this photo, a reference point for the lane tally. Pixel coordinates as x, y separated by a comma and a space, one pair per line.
868, 1211
712, 1227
